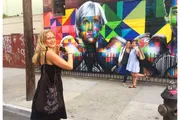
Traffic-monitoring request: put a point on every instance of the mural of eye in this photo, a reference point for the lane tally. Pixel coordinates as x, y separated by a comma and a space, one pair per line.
85, 22
95, 21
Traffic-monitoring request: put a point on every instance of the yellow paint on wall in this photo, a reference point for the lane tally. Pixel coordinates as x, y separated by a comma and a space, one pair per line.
67, 15
136, 24
166, 30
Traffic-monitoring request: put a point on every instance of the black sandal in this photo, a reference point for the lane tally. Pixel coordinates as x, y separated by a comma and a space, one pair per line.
147, 77
132, 86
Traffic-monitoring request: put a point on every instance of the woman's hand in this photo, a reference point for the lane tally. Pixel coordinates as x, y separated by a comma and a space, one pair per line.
137, 51
136, 48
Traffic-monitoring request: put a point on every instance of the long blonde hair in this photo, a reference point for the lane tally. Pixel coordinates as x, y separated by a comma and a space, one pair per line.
41, 47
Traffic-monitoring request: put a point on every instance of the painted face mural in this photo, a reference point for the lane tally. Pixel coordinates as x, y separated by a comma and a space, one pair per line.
171, 17
171, 14
89, 29
95, 27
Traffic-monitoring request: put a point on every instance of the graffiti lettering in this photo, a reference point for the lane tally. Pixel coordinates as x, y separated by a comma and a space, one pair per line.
13, 50
22, 39
7, 44
8, 58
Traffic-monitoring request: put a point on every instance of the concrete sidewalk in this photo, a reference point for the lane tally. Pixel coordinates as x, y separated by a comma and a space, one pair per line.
89, 99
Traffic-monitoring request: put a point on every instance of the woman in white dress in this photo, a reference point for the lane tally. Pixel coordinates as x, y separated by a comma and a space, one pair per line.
133, 64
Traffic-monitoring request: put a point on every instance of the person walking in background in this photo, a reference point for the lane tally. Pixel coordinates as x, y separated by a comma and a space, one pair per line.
133, 64
47, 56
122, 61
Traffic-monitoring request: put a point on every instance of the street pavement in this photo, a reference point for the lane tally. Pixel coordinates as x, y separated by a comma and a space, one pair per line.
91, 98
13, 116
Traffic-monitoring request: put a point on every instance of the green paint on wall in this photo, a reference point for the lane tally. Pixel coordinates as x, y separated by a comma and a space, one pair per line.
110, 15
120, 9
138, 12
160, 10
112, 34
102, 32
114, 24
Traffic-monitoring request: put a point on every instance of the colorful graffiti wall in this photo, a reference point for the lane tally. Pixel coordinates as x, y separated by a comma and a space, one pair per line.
98, 30
13, 50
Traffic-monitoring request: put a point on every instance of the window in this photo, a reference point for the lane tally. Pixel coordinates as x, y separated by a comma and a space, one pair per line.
59, 7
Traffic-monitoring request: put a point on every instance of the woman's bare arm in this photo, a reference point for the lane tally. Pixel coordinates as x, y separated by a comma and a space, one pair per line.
60, 62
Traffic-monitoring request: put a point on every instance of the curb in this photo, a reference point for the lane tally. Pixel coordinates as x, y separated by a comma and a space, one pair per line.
17, 110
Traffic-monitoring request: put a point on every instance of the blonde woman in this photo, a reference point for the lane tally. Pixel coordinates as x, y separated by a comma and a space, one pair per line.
47, 56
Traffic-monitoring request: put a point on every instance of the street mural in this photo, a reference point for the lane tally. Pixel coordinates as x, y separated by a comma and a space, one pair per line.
97, 31
13, 50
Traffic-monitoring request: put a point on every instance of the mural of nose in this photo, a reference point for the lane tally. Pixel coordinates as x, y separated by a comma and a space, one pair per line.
90, 27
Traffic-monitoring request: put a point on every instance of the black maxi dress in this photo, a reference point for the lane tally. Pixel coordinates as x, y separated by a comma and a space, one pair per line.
61, 112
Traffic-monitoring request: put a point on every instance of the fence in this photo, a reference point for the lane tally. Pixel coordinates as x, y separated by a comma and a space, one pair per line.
154, 79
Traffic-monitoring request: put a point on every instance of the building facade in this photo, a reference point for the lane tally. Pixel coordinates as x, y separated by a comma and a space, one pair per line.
89, 27
98, 29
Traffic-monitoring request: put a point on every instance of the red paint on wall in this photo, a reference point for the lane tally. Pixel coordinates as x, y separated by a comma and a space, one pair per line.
13, 50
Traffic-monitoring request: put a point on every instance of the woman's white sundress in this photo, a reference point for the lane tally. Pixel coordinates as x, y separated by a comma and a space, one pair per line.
133, 62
